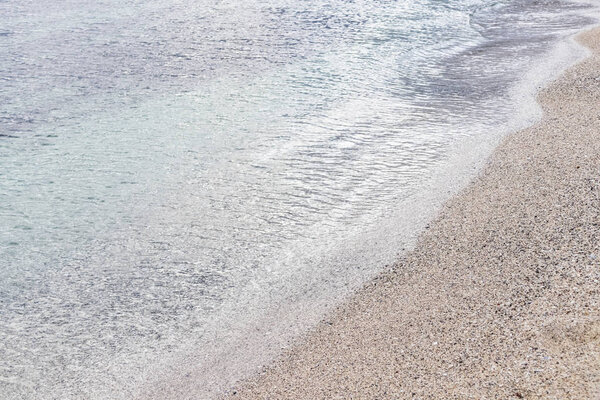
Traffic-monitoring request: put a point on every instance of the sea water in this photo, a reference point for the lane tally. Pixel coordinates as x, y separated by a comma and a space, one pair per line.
185, 186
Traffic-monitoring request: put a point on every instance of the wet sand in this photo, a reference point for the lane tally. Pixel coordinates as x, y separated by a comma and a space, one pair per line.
499, 299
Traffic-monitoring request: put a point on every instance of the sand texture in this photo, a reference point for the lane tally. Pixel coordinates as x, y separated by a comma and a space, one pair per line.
500, 298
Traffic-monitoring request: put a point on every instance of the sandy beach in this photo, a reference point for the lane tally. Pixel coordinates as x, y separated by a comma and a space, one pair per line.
499, 299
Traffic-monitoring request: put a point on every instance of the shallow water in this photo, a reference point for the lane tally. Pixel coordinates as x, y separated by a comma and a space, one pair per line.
173, 173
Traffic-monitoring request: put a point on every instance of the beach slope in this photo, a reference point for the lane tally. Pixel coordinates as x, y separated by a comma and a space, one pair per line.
500, 298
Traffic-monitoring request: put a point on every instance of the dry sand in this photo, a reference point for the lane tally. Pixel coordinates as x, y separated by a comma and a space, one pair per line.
500, 298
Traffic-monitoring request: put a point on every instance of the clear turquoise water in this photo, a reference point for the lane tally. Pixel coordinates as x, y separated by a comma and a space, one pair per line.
167, 167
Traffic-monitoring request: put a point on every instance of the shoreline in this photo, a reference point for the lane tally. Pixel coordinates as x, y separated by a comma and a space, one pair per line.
252, 341
498, 298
